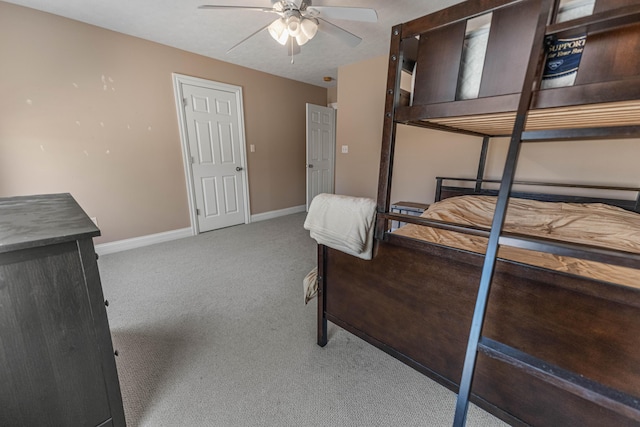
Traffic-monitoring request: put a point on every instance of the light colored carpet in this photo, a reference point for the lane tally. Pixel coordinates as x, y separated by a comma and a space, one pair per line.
212, 331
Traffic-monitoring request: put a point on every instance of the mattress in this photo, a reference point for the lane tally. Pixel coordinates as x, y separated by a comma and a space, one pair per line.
564, 55
474, 50
593, 223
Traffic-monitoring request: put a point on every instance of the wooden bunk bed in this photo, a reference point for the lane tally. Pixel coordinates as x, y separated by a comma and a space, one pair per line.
550, 348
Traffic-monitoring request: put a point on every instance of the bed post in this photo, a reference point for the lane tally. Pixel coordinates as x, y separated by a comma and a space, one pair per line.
438, 195
482, 163
322, 298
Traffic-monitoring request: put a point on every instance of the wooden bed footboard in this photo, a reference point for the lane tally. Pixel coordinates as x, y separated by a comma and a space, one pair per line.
416, 303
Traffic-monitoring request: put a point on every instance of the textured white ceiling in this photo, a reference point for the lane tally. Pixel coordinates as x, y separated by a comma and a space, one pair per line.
180, 24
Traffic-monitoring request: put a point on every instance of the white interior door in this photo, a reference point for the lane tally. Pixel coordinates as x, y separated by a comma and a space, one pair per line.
215, 154
321, 148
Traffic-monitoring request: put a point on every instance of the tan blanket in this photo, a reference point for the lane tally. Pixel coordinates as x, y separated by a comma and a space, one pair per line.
594, 223
342, 222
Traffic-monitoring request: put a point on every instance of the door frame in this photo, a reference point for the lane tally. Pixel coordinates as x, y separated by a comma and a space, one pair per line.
178, 81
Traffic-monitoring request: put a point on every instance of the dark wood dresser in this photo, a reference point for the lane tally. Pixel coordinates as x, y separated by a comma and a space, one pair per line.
57, 365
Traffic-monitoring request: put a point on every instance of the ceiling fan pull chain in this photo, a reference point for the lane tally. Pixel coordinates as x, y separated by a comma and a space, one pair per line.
292, 50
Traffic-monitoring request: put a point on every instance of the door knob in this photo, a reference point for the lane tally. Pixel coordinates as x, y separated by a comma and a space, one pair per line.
238, 168
310, 166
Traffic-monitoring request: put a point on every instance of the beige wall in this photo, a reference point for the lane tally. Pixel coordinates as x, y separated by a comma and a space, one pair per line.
361, 88
361, 94
332, 94
605, 162
423, 154
92, 112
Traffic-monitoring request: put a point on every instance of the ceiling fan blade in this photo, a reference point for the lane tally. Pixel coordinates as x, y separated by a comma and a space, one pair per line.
345, 36
247, 38
259, 9
346, 13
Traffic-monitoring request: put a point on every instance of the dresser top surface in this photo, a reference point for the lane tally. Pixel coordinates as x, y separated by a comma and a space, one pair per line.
30, 221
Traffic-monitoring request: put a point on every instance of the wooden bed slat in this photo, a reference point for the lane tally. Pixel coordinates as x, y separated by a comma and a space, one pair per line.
604, 115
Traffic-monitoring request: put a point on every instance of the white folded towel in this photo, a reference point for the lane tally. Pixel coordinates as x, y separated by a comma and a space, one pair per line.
344, 223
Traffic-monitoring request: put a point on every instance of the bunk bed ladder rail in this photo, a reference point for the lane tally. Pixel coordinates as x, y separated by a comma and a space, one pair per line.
533, 75
608, 398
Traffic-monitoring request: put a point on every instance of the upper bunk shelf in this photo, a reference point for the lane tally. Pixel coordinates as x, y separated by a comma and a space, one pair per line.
467, 65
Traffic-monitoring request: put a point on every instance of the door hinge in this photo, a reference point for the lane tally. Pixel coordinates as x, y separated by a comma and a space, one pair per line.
193, 160
198, 212
184, 102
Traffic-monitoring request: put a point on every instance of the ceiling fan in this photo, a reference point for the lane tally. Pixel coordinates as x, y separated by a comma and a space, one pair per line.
299, 22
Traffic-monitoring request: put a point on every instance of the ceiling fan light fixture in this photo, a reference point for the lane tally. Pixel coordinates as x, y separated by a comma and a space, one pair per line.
300, 28
301, 38
278, 30
293, 25
309, 27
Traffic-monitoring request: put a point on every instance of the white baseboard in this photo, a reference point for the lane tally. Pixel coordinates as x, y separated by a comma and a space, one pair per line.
275, 214
138, 242
151, 239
